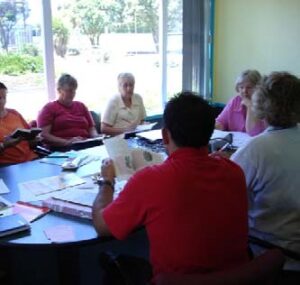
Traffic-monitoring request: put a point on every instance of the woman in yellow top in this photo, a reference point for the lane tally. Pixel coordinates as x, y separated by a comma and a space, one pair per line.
12, 150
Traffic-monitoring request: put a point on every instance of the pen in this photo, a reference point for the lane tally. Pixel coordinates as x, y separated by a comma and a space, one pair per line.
57, 156
224, 146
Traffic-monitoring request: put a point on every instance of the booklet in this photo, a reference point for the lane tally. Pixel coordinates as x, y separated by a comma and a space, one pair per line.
27, 134
12, 224
29, 211
127, 160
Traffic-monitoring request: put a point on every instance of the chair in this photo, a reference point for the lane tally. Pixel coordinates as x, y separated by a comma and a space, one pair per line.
97, 120
262, 270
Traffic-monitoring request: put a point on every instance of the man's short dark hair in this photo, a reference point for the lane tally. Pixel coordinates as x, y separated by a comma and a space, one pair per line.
190, 120
2, 86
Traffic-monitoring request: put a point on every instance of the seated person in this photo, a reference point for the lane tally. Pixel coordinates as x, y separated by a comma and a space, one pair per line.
66, 121
186, 203
125, 110
12, 150
237, 114
271, 165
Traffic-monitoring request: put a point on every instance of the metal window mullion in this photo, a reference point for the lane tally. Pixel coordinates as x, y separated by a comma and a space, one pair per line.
47, 38
163, 38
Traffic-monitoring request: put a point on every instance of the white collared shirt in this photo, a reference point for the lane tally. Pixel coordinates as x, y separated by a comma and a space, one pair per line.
118, 115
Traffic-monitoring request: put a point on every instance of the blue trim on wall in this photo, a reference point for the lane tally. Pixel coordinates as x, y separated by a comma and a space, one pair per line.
212, 31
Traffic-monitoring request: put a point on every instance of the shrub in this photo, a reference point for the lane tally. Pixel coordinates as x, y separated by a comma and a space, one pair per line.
16, 64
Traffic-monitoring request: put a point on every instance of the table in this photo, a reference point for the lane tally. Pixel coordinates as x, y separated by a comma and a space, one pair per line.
27, 255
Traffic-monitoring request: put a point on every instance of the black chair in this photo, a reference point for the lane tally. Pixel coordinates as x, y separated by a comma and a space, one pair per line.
262, 270
97, 120
124, 269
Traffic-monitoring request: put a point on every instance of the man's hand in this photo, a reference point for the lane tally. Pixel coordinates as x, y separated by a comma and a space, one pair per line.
108, 170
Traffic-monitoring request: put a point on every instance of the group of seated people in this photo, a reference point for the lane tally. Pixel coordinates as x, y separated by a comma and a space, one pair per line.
198, 209
66, 121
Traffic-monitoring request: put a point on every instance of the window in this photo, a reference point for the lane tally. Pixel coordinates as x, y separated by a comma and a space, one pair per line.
21, 55
163, 43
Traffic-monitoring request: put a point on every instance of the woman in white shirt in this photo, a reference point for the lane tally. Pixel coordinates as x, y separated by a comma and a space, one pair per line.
125, 110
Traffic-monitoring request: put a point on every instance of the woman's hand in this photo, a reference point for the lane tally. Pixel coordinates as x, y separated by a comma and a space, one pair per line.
9, 141
74, 139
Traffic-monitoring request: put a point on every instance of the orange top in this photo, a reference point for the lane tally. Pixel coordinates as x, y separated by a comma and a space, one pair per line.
20, 152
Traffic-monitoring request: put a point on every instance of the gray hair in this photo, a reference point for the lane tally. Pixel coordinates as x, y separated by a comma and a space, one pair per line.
67, 79
126, 75
277, 99
250, 75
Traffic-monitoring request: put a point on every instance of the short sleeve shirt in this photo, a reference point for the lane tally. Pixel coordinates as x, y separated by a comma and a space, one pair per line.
233, 118
120, 116
194, 208
66, 121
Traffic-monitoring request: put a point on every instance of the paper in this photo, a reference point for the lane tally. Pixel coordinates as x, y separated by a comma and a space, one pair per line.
61, 233
3, 187
239, 139
50, 184
118, 150
153, 135
4, 204
145, 127
126, 160
78, 196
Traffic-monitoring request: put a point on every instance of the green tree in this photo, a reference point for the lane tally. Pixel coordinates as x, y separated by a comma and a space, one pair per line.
94, 17
8, 19
60, 37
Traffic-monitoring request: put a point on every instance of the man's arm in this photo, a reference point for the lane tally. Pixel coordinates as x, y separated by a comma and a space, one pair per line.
104, 197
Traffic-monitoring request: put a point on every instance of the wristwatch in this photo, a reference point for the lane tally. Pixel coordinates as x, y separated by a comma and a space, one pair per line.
101, 181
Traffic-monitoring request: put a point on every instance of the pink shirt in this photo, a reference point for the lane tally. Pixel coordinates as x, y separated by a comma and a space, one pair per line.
233, 118
66, 121
194, 208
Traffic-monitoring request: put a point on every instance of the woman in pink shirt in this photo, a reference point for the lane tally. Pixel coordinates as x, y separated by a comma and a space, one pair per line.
237, 114
66, 121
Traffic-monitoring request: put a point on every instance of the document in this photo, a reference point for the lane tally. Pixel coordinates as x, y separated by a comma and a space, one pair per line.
3, 187
152, 136
239, 139
51, 184
127, 160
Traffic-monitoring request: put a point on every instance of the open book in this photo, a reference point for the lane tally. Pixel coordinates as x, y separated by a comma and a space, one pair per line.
127, 160
27, 134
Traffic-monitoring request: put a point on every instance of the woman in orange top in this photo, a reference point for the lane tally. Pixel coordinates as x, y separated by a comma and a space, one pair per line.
12, 150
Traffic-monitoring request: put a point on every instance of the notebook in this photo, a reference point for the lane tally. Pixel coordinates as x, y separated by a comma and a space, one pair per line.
13, 224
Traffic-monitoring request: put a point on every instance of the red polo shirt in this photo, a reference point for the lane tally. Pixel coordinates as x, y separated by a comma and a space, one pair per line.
194, 208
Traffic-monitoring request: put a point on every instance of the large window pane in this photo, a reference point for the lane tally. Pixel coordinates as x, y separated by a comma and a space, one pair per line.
95, 40
21, 64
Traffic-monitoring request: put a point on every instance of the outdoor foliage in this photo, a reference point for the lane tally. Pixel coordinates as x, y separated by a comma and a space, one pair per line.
60, 37
9, 12
16, 64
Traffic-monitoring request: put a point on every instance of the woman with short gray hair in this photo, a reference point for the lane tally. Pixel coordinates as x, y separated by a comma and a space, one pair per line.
238, 114
124, 110
271, 161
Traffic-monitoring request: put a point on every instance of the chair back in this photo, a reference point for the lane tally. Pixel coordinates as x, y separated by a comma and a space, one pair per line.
262, 270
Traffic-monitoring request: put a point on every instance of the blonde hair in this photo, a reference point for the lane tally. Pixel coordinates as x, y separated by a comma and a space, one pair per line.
250, 75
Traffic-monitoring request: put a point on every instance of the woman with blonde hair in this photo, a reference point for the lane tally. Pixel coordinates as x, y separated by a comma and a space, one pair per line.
237, 114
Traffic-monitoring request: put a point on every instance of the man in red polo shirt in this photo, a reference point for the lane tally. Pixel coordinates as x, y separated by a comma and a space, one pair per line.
193, 206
